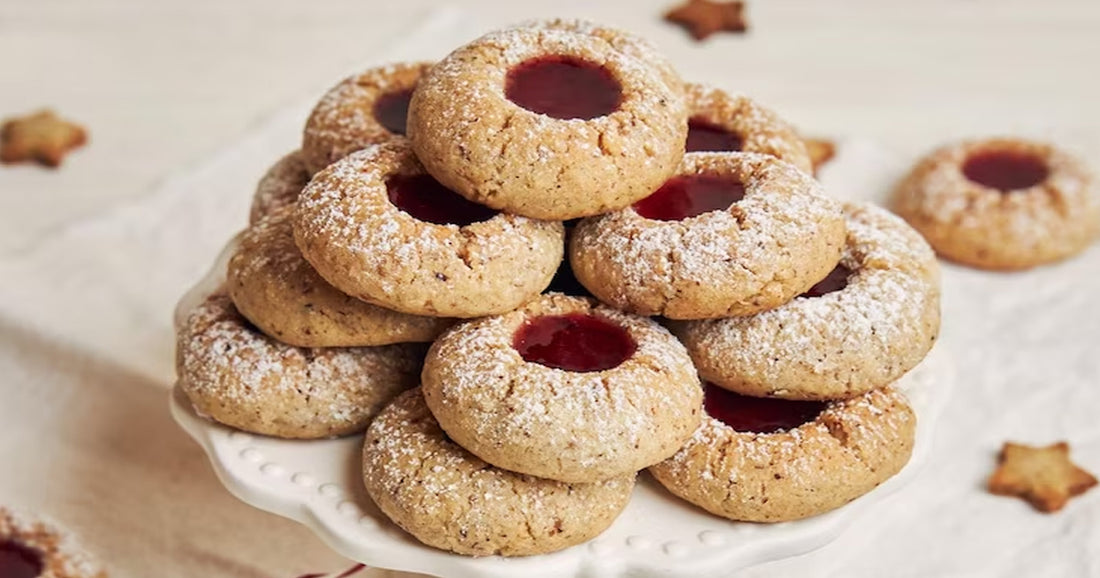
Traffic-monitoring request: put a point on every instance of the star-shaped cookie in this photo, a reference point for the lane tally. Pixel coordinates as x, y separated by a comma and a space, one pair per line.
704, 17
42, 137
1043, 476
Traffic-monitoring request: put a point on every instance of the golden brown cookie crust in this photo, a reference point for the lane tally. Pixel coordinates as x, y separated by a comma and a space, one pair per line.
365, 246
244, 379
840, 344
280, 186
851, 448
343, 120
450, 499
986, 228
492, 151
60, 555
277, 290
774, 244
760, 130
558, 424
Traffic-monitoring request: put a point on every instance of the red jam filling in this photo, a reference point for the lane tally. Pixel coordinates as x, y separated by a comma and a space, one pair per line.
563, 87
18, 561
573, 342
690, 195
424, 198
704, 136
836, 280
391, 110
758, 414
1005, 170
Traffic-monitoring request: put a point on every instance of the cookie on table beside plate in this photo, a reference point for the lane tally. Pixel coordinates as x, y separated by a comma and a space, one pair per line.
1002, 203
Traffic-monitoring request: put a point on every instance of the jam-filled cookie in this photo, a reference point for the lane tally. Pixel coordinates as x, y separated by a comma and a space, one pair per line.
280, 186
552, 124
277, 290
1002, 203
867, 323
623, 41
564, 389
365, 109
377, 227
35, 549
244, 379
772, 460
730, 234
723, 122
448, 498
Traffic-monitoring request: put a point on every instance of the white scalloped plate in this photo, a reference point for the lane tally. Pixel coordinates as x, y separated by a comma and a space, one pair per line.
318, 484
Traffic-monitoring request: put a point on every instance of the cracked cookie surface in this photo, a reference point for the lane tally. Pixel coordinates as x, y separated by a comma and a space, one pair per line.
277, 290
450, 499
358, 240
849, 449
574, 426
349, 116
772, 245
493, 151
244, 379
280, 186
871, 330
1045, 216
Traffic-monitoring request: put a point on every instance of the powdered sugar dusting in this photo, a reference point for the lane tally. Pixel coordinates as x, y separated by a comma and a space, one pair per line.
573, 425
343, 120
760, 129
62, 556
365, 246
842, 343
280, 186
1053, 219
848, 449
247, 380
498, 153
783, 227
451, 499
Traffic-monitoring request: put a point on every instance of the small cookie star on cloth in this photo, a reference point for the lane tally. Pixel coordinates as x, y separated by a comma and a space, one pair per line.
703, 17
1043, 476
42, 137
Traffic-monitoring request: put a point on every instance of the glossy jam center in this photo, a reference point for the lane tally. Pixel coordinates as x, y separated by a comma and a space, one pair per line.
690, 195
704, 136
563, 87
392, 109
836, 280
17, 561
574, 342
1005, 170
424, 198
758, 414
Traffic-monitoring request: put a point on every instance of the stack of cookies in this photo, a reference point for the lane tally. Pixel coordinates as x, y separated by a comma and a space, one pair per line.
715, 317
